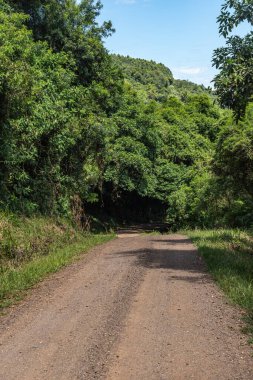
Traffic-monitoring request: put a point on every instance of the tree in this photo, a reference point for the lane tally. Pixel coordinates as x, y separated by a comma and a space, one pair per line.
72, 134
37, 122
234, 154
234, 83
71, 27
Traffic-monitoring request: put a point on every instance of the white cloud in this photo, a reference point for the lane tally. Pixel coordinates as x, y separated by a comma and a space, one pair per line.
197, 74
189, 70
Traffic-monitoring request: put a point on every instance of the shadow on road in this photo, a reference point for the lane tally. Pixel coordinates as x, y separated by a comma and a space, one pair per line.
175, 254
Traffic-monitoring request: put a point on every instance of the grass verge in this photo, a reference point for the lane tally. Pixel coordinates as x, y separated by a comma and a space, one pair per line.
15, 281
31, 249
229, 257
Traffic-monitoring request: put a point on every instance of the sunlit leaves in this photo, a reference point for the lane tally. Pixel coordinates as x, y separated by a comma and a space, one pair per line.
234, 83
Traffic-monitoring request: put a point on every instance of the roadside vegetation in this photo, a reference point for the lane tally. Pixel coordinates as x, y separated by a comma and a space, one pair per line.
32, 248
229, 257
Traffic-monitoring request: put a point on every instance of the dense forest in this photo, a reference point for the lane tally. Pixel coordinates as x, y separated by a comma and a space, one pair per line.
85, 134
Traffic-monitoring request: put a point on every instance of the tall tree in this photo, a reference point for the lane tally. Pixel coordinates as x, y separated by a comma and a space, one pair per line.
234, 83
73, 28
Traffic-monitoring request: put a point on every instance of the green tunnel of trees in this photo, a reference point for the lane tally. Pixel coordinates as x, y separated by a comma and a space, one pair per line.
114, 136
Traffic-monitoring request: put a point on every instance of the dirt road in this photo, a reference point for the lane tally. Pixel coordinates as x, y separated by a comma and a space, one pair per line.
136, 308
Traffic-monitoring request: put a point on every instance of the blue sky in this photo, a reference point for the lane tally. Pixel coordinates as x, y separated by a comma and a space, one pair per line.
182, 34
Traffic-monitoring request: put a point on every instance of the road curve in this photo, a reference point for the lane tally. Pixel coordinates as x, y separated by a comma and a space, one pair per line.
140, 307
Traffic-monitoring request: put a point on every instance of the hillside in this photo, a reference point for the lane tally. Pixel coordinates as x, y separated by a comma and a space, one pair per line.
155, 78
144, 71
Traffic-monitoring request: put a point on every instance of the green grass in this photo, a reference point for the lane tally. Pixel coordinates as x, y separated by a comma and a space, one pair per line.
14, 281
229, 257
31, 249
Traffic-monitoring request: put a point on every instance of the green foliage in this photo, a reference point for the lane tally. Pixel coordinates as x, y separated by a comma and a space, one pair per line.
233, 166
82, 130
22, 238
233, 12
158, 145
129, 155
144, 72
151, 78
154, 81
48, 122
234, 154
185, 86
33, 96
234, 82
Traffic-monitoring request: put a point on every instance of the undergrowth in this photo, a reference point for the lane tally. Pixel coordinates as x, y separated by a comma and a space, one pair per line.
32, 248
229, 257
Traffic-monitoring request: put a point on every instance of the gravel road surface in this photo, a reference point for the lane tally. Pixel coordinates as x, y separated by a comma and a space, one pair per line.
140, 307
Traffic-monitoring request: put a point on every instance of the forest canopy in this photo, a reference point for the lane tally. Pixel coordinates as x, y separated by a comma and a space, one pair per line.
111, 136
